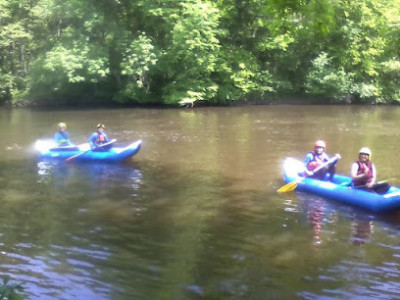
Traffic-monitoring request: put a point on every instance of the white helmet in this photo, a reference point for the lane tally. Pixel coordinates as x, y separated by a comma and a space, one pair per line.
365, 150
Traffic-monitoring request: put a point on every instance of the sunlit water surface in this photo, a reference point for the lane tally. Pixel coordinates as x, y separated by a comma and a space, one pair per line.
195, 214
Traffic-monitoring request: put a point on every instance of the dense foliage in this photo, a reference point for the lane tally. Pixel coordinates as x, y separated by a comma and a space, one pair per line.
182, 51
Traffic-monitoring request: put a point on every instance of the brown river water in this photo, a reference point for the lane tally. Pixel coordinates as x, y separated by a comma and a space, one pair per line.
195, 214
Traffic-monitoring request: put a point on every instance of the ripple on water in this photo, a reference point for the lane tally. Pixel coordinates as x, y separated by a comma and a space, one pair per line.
70, 267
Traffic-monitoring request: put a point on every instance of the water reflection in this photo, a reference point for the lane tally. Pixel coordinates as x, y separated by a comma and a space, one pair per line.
73, 268
323, 219
84, 205
108, 191
316, 217
53, 171
361, 230
327, 218
197, 216
98, 176
354, 256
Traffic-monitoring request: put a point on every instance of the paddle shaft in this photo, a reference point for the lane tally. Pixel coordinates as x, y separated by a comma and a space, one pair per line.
379, 187
366, 185
61, 148
79, 154
333, 159
72, 146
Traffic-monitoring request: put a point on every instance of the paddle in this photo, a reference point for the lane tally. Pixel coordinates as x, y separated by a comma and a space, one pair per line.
66, 148
83, 152
380, 187
291, 186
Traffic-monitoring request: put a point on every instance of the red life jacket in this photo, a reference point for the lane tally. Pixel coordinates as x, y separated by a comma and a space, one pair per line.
361, 168
100, 138
316, 161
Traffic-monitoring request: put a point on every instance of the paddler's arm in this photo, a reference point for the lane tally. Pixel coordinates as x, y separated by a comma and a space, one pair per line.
92, 140
353, 172
306, 162
338, 157
373, 180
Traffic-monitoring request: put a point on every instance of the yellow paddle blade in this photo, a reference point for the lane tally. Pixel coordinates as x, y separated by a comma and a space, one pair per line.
289, 187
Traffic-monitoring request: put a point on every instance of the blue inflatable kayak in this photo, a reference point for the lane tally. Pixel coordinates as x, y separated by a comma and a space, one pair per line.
339, 189
47, 149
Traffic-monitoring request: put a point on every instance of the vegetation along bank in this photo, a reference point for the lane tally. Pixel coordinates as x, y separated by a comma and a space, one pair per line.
183, 52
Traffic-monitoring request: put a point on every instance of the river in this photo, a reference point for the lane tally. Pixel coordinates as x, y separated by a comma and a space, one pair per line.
195, 214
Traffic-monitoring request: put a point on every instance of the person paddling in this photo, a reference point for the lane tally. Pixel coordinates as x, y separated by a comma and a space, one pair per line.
98, 138
316, 158
61, 137
363, 173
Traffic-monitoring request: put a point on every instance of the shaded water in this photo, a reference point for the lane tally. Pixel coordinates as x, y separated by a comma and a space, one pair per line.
195, 214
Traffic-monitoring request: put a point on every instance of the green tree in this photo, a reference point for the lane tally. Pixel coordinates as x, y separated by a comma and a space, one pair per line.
176, 51
137, 60
15, 45
324, 80
361, 38
191, 57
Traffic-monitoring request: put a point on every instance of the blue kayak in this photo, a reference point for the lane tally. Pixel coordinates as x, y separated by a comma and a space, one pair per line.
339, 189
46, 149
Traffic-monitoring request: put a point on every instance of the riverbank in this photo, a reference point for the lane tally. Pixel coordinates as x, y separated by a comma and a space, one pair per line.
197, 104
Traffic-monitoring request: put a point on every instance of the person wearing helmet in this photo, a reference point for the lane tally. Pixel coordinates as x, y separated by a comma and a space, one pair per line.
61, 137
316, 158
363, 173
98, 138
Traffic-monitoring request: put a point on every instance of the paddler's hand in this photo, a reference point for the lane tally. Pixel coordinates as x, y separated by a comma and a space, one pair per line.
309, 173
338, 156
